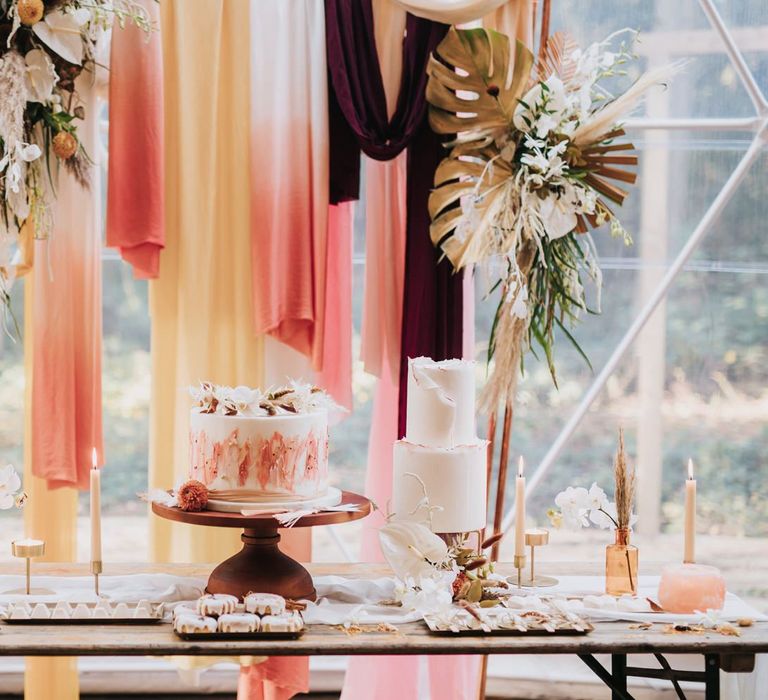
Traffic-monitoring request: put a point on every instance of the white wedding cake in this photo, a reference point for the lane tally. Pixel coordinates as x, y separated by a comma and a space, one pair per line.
261, 449
441, 453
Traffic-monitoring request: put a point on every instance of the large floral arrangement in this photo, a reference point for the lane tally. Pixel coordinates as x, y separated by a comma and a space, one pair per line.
535, 151
44, 46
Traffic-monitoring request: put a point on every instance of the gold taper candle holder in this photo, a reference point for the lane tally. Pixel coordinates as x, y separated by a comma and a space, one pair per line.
96, 568
519, 563
28, 549
537, 537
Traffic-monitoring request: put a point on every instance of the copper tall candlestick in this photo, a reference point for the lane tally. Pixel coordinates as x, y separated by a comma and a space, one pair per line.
96, 569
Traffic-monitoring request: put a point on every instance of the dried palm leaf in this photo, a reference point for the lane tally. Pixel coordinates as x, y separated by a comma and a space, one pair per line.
475, 82
555, 57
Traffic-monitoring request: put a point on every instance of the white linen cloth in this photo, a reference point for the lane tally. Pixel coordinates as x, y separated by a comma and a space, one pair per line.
343, 600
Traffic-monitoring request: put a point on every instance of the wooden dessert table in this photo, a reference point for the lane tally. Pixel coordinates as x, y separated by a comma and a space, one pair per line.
615, 638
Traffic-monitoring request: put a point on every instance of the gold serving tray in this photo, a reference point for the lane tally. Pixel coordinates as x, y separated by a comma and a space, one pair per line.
154, 618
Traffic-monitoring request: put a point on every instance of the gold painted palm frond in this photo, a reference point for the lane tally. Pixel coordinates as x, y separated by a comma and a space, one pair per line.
475, 82
480, 177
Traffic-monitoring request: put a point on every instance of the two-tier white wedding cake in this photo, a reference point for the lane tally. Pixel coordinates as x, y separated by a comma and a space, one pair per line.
441, 453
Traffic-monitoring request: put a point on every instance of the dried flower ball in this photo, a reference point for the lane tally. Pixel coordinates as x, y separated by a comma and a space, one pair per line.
192, 496
64, 145
30, 11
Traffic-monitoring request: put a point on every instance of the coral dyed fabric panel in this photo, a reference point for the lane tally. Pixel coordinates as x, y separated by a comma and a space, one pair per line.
66, 323
289, 173
135, 194
336, 374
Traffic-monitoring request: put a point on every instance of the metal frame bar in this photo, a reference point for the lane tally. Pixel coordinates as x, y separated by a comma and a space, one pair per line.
759, 141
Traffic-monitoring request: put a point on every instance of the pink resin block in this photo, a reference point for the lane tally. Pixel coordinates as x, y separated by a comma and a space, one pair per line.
688, 588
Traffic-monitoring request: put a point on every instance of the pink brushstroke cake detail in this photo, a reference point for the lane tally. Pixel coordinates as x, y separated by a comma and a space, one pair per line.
259, 459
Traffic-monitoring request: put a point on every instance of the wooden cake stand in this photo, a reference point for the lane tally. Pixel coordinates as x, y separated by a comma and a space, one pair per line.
260, 566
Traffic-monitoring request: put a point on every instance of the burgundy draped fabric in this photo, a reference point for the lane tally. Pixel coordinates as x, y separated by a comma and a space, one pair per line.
358, 112
432, 303
433, 295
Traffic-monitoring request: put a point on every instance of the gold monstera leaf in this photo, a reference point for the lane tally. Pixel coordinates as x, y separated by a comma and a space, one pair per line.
476, 93
475, 80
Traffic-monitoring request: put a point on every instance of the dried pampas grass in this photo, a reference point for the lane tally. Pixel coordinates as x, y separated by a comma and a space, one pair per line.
625, 485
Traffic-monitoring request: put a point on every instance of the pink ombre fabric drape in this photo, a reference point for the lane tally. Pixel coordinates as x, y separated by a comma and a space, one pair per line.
66, 364
135, 193
336, 373
278, 678
289, 173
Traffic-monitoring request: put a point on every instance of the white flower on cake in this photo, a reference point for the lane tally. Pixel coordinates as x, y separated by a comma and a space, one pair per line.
295, 397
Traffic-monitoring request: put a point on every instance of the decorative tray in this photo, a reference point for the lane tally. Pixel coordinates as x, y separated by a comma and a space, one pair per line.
503, 622
236, 636
87, 614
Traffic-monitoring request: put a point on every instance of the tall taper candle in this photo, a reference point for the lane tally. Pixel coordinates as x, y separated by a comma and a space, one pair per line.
95, 508
520, 511
690, 516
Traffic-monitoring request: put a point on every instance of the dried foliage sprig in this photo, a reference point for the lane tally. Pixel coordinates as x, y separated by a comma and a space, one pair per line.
625, 485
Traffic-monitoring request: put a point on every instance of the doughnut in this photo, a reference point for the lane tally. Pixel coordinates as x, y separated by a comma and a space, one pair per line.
265, 603
194, 624
216, 604
238, 622
281, 623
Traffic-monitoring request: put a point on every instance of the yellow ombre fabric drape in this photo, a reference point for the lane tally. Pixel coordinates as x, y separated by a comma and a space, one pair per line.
50, 515
201, 304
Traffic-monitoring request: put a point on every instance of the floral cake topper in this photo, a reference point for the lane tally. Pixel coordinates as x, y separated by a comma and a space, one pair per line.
295, 397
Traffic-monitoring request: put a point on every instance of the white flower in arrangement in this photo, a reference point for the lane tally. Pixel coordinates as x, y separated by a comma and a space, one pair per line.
426, 595
412, 550
543, 108
41, 76
558, 215
519, 297
60, 30
574, 506
10, 486
245, 399
579, 507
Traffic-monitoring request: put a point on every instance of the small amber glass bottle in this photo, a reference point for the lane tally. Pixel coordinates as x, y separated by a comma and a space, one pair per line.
621, 565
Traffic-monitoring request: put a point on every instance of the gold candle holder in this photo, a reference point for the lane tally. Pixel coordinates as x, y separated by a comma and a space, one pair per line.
96, 568
537, 537
28, 549
519, 563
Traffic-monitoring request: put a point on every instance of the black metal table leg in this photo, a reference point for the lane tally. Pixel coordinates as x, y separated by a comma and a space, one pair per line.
619, 673
618, 692
712, 677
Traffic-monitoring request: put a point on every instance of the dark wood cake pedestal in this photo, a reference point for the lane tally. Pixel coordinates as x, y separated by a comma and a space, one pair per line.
260, 566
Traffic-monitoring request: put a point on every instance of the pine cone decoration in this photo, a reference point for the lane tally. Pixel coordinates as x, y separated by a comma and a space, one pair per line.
64, 145
192, 496
30, 11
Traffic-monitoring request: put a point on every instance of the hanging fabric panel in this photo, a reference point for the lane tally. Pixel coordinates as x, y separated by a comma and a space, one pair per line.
135, 193
289, 173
